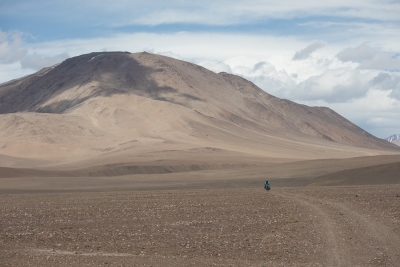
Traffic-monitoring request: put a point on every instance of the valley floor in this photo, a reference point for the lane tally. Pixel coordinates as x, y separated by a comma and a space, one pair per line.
287, 226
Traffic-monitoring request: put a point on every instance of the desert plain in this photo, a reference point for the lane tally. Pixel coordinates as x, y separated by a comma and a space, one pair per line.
119, 159
208, 218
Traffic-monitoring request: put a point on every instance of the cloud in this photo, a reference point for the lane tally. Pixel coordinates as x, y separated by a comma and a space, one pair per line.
306, 52
215, 66
12, 71
261, 73
333, 86
166, 53
382, 61
37, 62
357, 54
180, 15
205, 48
387, 82
11, 47
395, 94
376, 112
206, 12
381, 78
12, 50
369, 99
370, 58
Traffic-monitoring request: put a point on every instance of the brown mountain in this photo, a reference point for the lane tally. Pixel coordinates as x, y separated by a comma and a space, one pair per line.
154, 114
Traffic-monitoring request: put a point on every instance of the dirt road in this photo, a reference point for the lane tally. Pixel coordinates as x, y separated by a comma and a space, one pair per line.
356, 235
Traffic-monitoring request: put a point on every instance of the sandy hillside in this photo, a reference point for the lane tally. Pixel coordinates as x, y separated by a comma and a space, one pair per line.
145, 109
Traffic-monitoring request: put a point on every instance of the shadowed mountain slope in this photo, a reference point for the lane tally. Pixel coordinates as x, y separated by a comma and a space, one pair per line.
112, 107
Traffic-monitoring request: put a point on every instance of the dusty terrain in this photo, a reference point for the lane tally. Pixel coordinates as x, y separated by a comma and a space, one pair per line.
218, 217
303, 226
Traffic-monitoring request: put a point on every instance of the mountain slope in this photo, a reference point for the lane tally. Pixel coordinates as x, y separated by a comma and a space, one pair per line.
115, 106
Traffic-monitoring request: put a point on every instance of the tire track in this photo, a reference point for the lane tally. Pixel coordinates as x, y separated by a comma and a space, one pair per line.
382, 234
335, 255
76, 253
376, 241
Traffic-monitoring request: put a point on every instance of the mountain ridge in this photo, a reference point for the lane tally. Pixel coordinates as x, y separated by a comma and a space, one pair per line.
88, 106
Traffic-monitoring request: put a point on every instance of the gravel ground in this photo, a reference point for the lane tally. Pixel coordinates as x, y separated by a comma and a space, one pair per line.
311, 226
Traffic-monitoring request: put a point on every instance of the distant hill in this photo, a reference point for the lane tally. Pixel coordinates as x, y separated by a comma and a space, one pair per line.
115, 107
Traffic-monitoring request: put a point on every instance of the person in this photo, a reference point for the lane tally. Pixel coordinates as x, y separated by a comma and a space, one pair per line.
266, 184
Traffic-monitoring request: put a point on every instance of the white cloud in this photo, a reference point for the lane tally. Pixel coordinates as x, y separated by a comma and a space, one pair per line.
263, 74
360, 53
11, 47
389, 82
215, 66
306, 52
166, 53
229, 12
333, 86
395, 94
179, 15
371, 58
377, 113
386, 81
37, 62
382, 61
12, 71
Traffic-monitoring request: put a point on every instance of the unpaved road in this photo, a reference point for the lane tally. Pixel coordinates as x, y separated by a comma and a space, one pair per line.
305, 226
361, 229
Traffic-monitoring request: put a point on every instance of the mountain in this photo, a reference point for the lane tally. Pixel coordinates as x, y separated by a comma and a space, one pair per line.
395, 139
144, 111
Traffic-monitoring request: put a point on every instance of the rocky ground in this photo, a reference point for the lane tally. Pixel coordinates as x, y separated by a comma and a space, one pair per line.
305, 226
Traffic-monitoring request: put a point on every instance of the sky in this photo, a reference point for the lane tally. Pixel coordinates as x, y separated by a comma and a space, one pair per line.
344, 55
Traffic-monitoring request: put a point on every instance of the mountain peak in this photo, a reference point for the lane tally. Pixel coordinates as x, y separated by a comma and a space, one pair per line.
122, 96
393, 137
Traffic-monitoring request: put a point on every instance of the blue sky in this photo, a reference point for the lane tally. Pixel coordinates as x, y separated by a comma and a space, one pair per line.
340, 54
